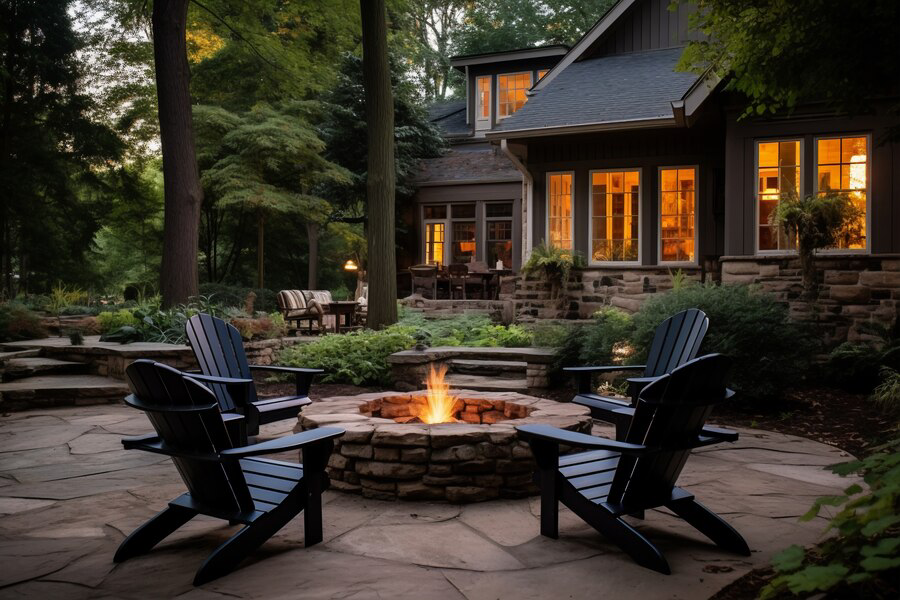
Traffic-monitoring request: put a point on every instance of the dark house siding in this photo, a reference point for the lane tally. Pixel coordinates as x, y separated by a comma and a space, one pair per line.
740, 153
648, 150
648, 25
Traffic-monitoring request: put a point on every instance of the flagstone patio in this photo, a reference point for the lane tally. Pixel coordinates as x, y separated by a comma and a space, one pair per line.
69, 494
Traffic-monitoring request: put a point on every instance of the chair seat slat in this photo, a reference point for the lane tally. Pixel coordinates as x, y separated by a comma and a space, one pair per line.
597, 466
581, 457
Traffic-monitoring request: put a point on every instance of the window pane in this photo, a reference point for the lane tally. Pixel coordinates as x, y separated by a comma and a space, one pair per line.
778, 173
615, 200
498, 210
438, 211
677, 208
511, 93
843, 168
463, 211
463, 242
484, 97
559, 222
434, 243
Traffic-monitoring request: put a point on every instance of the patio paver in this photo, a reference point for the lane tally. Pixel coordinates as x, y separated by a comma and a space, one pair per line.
69, 494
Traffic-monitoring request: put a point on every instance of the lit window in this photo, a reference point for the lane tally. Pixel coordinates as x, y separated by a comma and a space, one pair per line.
778, 173
511, 93
434, 243
677, 206
463, 242
615, 204
483, 101
559, 210
843, 167
499, 233
542, 72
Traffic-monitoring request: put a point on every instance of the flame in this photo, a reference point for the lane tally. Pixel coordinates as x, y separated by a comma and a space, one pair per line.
441, 403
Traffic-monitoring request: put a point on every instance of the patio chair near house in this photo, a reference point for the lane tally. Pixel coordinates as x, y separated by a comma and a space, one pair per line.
362, 310
424, 277
611, 479
676, 341
458, 273
298, 306
224, 477
219, 351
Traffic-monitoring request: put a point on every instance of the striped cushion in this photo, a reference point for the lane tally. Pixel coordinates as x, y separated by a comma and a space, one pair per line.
291, 300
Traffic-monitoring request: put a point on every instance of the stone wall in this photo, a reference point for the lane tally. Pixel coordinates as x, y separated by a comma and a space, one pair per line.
265, 352
853, 289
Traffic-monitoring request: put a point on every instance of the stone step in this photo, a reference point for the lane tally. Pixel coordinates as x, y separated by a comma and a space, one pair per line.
481, 383
60, 390
497, 368
10, 353
17, 368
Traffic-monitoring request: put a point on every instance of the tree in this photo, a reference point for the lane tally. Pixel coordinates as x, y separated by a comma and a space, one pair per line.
382, 261
267, 161
781, 53
181, 179
53, 152
429, 27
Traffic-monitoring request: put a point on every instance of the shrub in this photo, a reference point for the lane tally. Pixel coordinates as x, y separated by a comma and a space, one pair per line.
770, 351
260, 327
112, 320
552, 264
863, 559
234, 295
887, 394
467, 330
595, 343
19, 323
549, 335
856, 366
359, 357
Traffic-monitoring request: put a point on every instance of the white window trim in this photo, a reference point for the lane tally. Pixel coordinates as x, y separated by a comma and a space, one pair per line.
755, 182
659, 191
488, 220
480, 121
426, 222
547, 176
815, 167
497, 99
590, 221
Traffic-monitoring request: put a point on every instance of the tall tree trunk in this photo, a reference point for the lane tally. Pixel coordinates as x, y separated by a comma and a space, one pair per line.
382, 264
260, 248
312, 235
181, 179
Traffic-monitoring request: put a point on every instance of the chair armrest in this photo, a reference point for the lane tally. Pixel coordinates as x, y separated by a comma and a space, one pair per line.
135, 402
583, 374
291, 442
303, 376
136, 441
581, 440
220, 380
641, 380
718, 434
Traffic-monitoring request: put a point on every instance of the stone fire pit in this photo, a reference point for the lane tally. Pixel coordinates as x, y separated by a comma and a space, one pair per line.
477, 459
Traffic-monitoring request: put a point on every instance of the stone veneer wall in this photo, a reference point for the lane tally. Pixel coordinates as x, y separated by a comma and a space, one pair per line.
853, 289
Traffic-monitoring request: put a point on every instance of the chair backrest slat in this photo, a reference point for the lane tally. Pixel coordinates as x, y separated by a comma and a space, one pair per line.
220, 353
669, 416
676, 341
216, 485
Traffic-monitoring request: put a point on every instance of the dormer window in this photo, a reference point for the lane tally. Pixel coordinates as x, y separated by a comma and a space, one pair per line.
541, 73
511, 93
483, 102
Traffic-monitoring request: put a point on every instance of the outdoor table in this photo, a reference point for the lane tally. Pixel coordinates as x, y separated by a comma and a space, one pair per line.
346, 309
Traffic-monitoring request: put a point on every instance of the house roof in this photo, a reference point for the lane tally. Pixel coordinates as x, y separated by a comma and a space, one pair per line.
608, 92
467, 164
450, 117
463, 61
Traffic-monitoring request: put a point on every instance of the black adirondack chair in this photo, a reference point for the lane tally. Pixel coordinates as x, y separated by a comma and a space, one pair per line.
611, 479
676, 341
224, 479
224, 369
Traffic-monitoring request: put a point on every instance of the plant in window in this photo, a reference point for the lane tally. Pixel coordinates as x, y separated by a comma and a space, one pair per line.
817, 221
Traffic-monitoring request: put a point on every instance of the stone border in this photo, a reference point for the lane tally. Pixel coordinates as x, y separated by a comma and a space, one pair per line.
409, 368
455, 462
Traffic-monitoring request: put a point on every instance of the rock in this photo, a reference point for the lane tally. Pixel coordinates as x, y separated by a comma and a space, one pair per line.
414, 455
389, 470
454, 454
387, 454
419, 491
475, 466
444, 436
401, 435
850, 294
357, 450
889, 279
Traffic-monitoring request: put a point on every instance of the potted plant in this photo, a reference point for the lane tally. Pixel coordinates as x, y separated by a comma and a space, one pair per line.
554, 265
816, 222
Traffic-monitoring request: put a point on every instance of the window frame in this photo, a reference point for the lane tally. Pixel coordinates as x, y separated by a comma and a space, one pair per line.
659, 192
590, 220
547, 176
482, 122
815, 174
801, 173
525, 89
510, 219
426, 222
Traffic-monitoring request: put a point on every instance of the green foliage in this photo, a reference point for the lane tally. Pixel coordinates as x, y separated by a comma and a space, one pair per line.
19, 323
553, 264
595, 343
770, 351
467, 330
863, 556
887, 394
234, 295
549, 335
856, 366
262, 326
780, 53
112, 320
358, 357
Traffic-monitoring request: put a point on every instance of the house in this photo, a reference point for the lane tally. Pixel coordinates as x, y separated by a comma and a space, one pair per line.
645, 170
469, 201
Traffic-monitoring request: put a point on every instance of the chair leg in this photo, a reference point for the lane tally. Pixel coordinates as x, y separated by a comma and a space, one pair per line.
145, 537
710, 524
227, 556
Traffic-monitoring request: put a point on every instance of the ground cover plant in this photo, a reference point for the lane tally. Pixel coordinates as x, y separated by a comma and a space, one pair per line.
17, 322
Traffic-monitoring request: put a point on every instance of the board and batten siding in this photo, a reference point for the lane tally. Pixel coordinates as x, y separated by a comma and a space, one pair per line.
740, 181
645, 150
648, 25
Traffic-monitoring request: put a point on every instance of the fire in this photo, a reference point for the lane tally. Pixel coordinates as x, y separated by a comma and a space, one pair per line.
441, 403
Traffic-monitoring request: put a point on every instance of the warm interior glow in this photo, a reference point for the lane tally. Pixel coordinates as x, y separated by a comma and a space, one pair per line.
441, 403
